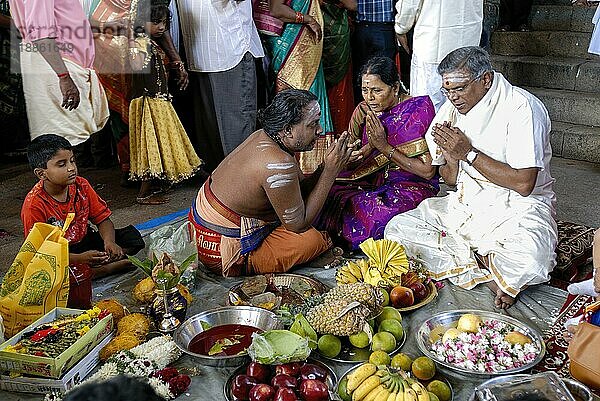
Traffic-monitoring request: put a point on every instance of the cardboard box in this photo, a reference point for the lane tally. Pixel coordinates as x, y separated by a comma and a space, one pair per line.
54, 367
75, 375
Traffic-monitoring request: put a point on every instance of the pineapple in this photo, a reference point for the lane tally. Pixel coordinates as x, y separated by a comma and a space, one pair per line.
345, 309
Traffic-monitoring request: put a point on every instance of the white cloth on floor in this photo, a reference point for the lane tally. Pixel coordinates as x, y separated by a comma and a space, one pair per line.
518, 234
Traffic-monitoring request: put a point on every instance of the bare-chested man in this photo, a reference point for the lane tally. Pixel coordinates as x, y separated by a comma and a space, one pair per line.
254, 214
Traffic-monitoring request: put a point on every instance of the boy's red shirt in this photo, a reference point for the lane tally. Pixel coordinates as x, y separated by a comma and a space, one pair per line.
39, 206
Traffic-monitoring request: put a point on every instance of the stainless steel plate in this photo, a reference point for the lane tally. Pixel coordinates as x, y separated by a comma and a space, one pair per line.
449, 319
578, 390
331, 380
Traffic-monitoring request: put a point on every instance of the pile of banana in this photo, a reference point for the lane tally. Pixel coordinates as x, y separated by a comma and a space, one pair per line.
371, 383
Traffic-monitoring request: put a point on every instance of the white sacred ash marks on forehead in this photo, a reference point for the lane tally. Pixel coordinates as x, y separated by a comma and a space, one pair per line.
292, 214
455, 77
314, 111
280, 180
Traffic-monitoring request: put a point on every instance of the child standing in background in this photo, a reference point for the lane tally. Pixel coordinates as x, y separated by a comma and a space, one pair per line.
160, 147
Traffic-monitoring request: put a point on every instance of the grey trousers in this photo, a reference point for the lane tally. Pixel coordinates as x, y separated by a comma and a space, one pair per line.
234, 98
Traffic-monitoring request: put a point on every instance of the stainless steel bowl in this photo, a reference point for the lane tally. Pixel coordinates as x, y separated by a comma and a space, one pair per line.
578, 390
244, 315
449, 319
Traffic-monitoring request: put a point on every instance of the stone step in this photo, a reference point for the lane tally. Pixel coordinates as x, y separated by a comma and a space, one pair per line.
578, 142
550, 72
561, 18
570, 106
553, 2
542, 43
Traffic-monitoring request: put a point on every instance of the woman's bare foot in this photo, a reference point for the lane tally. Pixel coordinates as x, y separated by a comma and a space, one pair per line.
502, 300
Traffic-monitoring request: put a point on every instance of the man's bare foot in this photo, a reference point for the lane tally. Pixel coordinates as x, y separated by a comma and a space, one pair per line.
502, 300
328, 259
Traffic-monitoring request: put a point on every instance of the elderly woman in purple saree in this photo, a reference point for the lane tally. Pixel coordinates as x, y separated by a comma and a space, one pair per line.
392, 172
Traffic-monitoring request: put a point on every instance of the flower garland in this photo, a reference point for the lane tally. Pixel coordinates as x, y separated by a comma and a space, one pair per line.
147, 361
486, 350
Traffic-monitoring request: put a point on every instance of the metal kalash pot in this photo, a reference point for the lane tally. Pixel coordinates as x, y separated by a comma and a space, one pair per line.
168, 308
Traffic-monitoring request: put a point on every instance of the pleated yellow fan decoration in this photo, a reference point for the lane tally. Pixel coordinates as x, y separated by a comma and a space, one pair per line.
388, 256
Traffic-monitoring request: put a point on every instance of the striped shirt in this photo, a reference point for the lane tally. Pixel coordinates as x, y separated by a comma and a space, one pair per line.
217, 34
375, 11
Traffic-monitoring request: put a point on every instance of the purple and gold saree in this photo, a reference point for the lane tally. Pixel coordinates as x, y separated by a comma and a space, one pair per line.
364, 199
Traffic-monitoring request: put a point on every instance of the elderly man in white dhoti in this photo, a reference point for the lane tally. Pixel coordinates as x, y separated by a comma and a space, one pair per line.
492, 141
62, 92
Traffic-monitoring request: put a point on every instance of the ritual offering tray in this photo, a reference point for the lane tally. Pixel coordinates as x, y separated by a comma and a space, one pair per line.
220, 337
577, 390
368, 381
55, 342
270, 291
303, 381
461, 341
406, 281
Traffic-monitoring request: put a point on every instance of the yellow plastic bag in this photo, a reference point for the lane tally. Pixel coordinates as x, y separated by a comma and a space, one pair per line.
38, 279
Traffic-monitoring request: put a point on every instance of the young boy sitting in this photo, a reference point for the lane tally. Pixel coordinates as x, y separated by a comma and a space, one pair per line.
59, 192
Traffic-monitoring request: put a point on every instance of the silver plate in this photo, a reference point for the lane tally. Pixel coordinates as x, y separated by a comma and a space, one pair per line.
348, 350
449, 319
438, 376
331, 380
578, 390
244, 315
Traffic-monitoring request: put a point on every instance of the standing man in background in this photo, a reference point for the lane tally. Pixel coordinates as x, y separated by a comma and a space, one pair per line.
221, 43
441, 26
373, 35
62, 92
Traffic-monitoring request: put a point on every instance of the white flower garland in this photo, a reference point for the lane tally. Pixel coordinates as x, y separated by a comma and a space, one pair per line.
140, 361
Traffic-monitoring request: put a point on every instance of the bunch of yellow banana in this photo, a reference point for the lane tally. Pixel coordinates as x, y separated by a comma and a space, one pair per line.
371, 383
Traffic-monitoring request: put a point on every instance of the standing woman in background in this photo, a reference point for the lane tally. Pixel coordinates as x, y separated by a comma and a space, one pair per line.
296, 63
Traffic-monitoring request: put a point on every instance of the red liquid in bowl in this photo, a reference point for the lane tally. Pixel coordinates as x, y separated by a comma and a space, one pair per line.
240, 335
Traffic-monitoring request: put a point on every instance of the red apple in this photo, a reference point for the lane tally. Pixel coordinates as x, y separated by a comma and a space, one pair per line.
282, 380
259, 371
285, 394
401, 297
314, 390
292, 368
420, 290
241, 386
262, 392
310, 371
